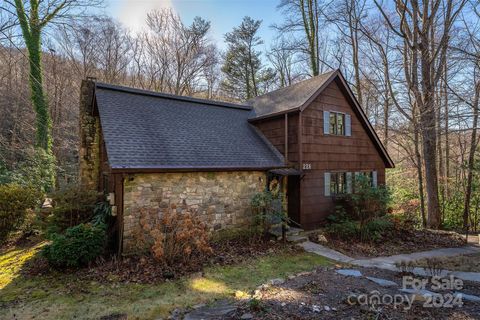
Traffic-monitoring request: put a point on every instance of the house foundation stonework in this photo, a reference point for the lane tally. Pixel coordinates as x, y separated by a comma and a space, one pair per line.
220, 199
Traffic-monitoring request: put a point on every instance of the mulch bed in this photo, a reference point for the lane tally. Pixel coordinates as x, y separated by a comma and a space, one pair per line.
404, 241
323, 294
145, 269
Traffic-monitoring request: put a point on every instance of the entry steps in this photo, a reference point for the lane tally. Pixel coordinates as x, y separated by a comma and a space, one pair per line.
293, 234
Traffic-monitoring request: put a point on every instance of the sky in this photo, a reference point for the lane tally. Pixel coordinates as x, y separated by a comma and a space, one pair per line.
223, 14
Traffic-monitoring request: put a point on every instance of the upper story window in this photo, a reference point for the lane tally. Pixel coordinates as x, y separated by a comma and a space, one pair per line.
337, 123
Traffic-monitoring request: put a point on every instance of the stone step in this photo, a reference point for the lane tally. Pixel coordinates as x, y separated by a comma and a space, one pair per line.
297, 238
291, 231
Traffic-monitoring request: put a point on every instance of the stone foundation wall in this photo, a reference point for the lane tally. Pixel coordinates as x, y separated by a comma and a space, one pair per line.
221, 199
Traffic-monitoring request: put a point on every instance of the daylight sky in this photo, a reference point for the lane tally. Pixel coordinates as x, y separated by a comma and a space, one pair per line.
223, 14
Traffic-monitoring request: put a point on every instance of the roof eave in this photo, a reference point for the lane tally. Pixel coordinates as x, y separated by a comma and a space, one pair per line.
274, 115
166, 169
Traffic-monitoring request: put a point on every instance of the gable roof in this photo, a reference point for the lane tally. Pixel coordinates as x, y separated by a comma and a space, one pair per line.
299, 96
148, 130
288, 98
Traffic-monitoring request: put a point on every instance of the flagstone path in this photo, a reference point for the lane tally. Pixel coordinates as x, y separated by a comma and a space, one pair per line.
389, 262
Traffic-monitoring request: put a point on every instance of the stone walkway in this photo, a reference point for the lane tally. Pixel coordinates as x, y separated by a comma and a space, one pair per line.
388, 263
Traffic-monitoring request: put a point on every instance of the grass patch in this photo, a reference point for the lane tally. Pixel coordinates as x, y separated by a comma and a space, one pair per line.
12, 260
58, 296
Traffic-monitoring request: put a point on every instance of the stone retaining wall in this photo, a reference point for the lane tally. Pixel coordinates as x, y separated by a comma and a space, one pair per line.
222, 199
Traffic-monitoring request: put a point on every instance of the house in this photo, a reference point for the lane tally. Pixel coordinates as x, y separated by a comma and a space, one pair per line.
148, 149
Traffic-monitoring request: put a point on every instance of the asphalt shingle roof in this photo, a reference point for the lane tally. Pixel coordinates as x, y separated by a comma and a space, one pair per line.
144, 129
287, 98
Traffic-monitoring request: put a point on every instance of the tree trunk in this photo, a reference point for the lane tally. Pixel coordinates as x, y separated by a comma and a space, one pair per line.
471, 160
446, 133
426, 102
430, 162
309, 26
420, 176
386, 109
31, 30
353, 21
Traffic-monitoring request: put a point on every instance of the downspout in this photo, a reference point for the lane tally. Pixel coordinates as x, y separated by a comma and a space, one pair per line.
119, 190
300, 164
286, 139
300, 136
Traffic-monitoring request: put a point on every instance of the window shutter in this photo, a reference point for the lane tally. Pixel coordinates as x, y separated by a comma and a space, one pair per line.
326, 122
326, 181
348, 125
374, 179
349, 182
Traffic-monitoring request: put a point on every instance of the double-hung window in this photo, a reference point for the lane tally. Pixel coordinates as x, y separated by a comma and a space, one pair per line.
338, 183
337, 123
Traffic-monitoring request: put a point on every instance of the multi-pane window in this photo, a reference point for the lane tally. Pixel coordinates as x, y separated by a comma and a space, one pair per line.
337, 123
368, 175
343, 182
338, 183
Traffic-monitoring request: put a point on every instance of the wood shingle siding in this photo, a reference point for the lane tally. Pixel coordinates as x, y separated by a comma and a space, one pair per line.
274, 130
329, 153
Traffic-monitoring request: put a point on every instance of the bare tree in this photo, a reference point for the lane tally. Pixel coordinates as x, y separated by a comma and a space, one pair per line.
347, 16
303, 16
425, 28
467, 92
283, 57
113, 44
176, 54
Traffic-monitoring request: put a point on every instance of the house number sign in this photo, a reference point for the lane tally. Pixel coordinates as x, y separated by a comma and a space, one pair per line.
307, 166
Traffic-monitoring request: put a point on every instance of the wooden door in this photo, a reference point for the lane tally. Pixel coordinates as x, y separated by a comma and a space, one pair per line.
293, 198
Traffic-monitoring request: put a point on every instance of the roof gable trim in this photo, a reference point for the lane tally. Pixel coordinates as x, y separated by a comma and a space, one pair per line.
319, 90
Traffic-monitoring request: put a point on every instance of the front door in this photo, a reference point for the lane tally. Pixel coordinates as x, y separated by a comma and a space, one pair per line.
293, 198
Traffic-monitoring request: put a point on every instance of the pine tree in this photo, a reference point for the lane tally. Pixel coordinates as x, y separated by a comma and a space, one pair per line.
243, 68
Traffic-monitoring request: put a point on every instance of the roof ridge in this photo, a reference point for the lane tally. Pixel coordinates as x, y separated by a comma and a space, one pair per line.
144, 92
